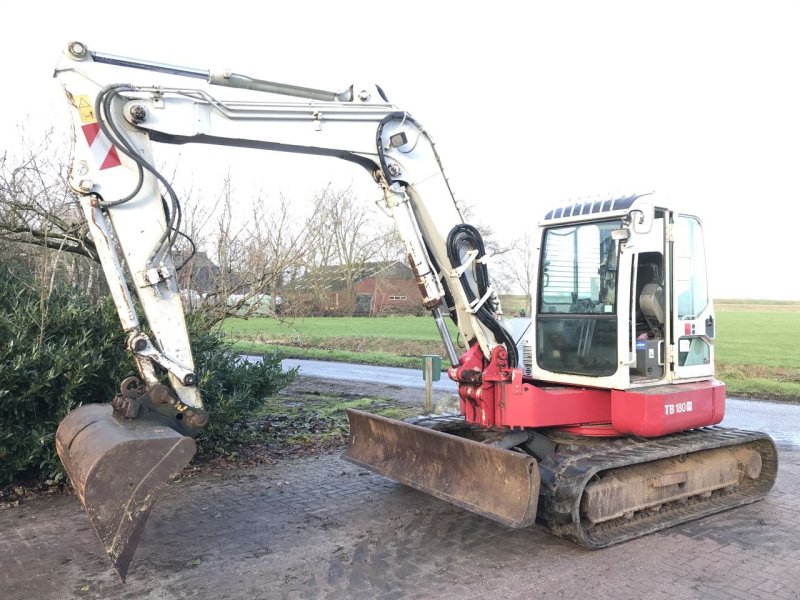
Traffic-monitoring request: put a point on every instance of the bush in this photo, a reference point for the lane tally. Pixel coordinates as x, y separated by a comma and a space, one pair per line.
59, 351
233, 390
56, 353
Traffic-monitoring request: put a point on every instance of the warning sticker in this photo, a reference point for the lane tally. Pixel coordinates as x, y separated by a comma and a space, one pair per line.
104, 153
85, 109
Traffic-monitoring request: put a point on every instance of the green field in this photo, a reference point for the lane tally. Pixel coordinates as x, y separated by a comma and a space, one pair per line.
766, 339
391, 341
398, 328
758, 353
757, 346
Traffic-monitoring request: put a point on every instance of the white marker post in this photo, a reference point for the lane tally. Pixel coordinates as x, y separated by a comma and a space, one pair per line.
431, 371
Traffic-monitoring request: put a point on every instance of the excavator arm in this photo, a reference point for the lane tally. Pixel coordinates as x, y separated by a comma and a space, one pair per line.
118, 456
112, 167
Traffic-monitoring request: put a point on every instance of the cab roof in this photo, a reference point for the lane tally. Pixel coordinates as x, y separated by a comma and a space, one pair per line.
592, 207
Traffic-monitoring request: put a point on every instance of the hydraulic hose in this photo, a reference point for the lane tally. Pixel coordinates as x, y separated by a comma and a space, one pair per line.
116, 136
461, 241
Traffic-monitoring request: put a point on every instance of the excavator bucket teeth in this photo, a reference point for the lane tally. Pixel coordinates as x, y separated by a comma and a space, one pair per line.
116, 467
499, 484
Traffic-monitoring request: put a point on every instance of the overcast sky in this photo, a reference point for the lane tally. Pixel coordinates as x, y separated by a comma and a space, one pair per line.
531, 104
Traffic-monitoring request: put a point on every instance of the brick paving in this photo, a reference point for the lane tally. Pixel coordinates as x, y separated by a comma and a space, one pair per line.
321, 528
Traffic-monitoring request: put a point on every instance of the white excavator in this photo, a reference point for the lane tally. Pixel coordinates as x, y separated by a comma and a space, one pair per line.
598, 423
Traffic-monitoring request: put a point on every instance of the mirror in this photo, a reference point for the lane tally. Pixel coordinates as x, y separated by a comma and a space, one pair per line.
620, 235
641, 218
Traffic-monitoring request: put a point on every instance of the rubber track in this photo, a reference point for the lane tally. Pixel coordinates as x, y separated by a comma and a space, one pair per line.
566, 473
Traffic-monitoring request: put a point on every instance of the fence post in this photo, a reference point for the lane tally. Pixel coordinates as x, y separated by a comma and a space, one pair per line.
431, 371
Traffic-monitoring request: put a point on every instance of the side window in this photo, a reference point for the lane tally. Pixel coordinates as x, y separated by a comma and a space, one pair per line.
691, 291
691, 284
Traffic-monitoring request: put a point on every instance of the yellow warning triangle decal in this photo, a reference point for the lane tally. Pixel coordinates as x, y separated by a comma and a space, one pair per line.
85, 109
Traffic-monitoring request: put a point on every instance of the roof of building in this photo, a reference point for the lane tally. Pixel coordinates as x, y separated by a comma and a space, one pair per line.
333, 277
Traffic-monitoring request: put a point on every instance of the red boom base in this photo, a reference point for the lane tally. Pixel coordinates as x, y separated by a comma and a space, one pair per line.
497, 396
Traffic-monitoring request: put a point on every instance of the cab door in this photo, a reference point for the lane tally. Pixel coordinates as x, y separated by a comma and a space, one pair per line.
694, 325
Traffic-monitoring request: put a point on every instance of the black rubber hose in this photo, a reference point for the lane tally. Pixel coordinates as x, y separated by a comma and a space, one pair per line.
115, 135
462, 240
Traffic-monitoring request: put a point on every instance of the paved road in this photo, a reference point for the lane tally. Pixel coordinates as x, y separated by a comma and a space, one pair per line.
321, 528
350, 372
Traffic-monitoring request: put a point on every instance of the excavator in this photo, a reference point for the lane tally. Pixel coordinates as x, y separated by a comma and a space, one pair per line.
598, 423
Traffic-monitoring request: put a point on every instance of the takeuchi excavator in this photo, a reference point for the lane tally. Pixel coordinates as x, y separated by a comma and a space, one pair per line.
597, 423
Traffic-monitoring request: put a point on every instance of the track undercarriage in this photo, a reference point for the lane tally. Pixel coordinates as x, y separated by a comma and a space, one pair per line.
595, 492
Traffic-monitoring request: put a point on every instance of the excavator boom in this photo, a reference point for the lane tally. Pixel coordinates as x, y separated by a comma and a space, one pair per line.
118, 456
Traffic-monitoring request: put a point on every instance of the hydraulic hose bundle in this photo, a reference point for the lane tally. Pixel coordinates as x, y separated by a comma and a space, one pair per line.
172, 209
463, 241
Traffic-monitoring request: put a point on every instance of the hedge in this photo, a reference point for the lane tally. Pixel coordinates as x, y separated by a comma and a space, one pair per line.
58, 351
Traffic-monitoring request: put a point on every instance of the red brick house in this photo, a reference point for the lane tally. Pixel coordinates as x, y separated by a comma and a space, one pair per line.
379, 288
389, 289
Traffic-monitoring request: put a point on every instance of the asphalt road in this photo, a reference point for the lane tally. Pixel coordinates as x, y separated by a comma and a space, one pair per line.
411, 378
778, 419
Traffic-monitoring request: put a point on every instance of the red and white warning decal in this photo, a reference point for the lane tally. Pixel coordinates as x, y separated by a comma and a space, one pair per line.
105, 155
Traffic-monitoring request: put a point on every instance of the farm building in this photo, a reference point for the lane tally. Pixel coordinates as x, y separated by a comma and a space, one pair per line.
371, 289
389, 289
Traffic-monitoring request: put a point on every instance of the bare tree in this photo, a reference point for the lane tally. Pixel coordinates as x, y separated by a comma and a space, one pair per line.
243, 259
228, 263
348, 236
36, 206
353, 233
278, 245
41, 229
518, 266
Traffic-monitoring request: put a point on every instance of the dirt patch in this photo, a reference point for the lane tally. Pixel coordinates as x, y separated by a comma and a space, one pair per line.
309, 417
782, 374
12, 495
402, 396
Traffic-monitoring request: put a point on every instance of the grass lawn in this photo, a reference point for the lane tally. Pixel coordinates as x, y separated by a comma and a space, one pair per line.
398, 328
389, 342
769, 339
757, 346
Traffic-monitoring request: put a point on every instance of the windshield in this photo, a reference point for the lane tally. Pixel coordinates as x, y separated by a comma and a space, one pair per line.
579, 272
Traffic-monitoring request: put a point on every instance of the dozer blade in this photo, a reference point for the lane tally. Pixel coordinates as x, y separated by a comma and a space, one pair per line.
496, 483
116, 467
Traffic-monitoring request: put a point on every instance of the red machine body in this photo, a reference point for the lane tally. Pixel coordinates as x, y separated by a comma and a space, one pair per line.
496, 396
